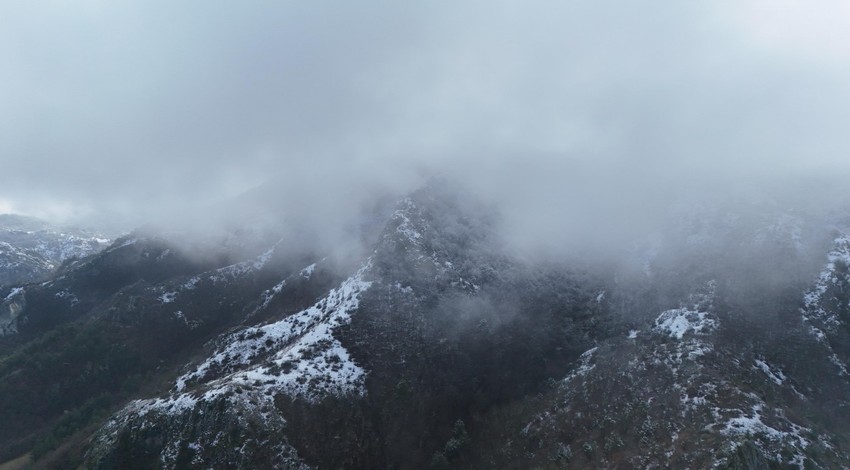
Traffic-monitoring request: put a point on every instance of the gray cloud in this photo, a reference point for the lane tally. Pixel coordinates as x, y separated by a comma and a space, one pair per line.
568, 114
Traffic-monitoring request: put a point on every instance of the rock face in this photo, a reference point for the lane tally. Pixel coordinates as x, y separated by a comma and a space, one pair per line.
440, 348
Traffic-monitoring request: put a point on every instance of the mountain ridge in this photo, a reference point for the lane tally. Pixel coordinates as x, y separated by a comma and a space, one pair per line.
439, 348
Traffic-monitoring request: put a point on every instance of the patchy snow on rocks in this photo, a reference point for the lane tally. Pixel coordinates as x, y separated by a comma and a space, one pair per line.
13, 293
773, 430
297, 355
677, 322
307, 272
269, 294
175, 421
69, 296
405, 226
822, 302
775, 375
225, 274
584, 366
240, 269
816, 302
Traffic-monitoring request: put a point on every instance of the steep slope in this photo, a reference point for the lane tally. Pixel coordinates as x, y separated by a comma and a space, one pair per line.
120, 321
687, 395
409, 344
739, 372
717, 345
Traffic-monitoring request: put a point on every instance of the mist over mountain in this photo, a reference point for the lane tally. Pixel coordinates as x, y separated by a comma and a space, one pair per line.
124, 113
447, 235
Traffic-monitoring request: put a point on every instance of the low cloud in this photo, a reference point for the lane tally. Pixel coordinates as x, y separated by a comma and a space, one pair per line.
580, 119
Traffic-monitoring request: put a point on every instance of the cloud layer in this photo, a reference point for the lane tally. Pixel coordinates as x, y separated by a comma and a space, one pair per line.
566, 113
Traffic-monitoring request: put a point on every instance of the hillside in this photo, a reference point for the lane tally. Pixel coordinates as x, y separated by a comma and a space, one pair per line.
443, 347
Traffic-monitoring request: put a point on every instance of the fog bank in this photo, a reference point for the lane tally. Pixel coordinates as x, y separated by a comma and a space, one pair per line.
587, 123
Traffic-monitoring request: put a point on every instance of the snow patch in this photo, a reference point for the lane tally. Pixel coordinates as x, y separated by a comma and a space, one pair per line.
775, 375
307, 272
269, 294
584, 366
239, 269
15, 291
191, 283
677, 322
403, 289
69, 296
753, 424
816, 304
405, 225
298, 355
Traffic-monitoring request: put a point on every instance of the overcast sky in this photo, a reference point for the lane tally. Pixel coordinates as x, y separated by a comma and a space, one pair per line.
134, 108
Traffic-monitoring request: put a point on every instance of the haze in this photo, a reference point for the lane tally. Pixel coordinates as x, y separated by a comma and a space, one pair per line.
571, 116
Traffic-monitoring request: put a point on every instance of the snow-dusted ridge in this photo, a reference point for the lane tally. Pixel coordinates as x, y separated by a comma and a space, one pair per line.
297, 356
301, 356
169, 294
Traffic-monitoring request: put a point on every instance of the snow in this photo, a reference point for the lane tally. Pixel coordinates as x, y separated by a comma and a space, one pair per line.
405, 225
241, 268
584, 366
224, 274
131, 241
753, 424
69, 296
842, 367
13, 293
403, 289
192, 324
269, 294
817, 313
298, 355
307, 272
814, 308
677, 322
191, 283
775, 375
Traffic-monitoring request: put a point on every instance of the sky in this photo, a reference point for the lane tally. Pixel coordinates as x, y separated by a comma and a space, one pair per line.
564, 112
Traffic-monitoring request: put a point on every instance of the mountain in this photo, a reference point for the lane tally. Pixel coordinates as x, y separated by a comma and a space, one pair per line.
721, 343
31, 249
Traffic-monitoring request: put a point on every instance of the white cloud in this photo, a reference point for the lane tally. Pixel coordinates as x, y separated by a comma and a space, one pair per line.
143, 108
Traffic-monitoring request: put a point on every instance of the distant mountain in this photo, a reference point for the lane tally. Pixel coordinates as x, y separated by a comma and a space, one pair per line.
31, 249
722, 343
